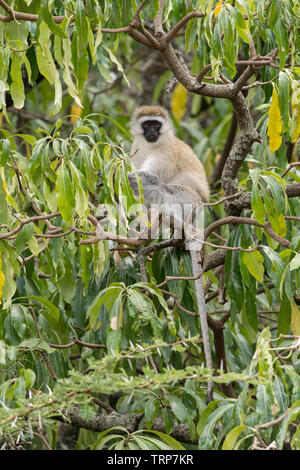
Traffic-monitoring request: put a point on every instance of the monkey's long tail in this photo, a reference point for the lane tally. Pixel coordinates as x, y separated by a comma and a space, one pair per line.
203, 320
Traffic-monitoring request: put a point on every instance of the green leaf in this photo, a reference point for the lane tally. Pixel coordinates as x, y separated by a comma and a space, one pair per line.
232, 437
284, 98
277, 221
295, 263
81, 193
284, 316
67, 285
36, 343
113, 341
151, 409
47, 67
18, 320
47, 17
256, 200
170, 441
290, 417
241, 25
295, 319
65, 194
83, 130
5, 150
178, 408
2, 352
17, 86
190, 35
33, 245
106, 297
29, 138
79, 45
23, 237
255, 264
274, 13
277, 263
115, 61
207, 438
282, 38
3, 204
67, 60
54, 312
30, 377
99, 442
8, 269
234, 281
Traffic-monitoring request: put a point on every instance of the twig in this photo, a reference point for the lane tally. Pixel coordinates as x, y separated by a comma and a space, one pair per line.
173, 32
103, 405
77, 341
232, 248
272, 423
185, 278
188, 312
257, 83
43, 439
292, 165
28, 221
248, 221
48, 364
15, 15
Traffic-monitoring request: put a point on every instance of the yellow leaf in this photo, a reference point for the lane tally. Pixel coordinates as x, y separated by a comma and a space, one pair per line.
178, 102
218, 8
295, 319
296, 130
274, 124
75, 112
2, 278
295, 110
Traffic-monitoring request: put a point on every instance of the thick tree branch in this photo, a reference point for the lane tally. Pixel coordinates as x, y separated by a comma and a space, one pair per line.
242, 146
101, 422
244, 200
158, 21
217, 173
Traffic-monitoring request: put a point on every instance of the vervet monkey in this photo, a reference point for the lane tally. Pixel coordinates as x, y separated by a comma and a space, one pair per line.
171, 174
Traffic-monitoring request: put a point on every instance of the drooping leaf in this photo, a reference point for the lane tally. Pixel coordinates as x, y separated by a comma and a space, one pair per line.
65, 194
47, 17
2, 278
274, 123
255, 264
179, 101
295, 318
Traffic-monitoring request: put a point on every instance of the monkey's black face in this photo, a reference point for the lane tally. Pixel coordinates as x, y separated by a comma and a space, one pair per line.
151, 130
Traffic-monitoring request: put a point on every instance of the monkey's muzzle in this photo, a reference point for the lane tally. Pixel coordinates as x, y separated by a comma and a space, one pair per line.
151, 135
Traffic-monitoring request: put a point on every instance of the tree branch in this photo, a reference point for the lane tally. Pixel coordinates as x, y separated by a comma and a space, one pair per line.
173, 32
15, 15
217, 173
101, 422
245, 220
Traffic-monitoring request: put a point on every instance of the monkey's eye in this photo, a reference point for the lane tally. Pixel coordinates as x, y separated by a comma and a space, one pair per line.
146, 124
152, 123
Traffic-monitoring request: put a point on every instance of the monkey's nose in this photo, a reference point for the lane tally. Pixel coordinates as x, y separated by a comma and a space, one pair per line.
152, 136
